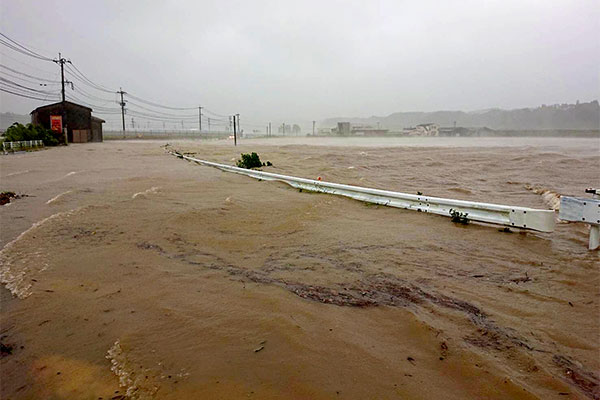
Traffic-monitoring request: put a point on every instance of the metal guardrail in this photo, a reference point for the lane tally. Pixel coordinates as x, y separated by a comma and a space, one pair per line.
585, 210
511, 216
24, 144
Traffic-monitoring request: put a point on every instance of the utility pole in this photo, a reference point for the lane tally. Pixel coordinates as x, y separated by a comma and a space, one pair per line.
314, 128
234, 132
122, 104
269, 129
209, 124
61, 61
200, 119
239, 127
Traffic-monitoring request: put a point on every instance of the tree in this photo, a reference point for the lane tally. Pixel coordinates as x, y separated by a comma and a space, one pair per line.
18, 132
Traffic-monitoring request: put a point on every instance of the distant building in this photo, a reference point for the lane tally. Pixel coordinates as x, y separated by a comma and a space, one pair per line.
343, 128
422, 130
456, 131
368, 131
81, 125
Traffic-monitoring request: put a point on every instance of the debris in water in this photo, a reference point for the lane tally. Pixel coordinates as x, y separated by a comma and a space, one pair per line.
6, 196
5, 349
259, 349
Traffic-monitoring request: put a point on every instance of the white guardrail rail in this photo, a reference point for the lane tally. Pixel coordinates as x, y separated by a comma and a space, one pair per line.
584, 210
511, 216
24, 144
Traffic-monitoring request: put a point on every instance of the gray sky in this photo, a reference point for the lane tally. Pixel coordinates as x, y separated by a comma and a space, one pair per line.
304, 60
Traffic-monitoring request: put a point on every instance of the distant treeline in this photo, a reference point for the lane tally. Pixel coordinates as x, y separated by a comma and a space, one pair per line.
560, 118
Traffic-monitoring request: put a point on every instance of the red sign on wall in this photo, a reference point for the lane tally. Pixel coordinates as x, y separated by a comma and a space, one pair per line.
56, 123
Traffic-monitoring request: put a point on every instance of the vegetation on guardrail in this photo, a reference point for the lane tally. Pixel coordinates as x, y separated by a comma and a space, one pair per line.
250, 161
18, 132
459, 217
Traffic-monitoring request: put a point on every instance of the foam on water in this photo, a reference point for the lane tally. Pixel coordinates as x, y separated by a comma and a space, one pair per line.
52, 200
152, 190
17, 173
550, 198
135, 384
15, 279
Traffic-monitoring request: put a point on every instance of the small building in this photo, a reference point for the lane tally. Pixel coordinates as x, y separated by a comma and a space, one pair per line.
422, 130
81, 126
368, 131
343, 128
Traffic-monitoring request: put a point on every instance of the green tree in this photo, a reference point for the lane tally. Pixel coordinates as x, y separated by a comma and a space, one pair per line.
18, 132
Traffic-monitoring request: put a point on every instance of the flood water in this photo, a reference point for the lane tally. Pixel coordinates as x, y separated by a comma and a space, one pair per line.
129, 273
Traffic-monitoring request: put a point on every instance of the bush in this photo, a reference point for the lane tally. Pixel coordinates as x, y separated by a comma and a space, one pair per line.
18, 132
459, 217
249, 161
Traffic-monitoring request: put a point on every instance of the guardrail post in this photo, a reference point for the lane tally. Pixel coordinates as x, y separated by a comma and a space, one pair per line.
586, 210
595, 228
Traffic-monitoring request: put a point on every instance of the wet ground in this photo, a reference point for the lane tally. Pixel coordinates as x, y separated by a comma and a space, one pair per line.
145, 276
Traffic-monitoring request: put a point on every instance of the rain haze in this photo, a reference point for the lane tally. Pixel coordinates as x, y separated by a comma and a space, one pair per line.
280, 60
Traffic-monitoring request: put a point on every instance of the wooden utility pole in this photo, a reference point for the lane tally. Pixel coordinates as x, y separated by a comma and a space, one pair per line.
234, 132
269, 129
61, 61
314, 128
122, 104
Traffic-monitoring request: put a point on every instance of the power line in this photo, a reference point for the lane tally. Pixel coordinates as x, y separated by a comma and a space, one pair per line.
215, 114
27, 64
89, 81
22, 95
159, 112
160, 105
31, 52
25, 91
11, 83
93, 106
90, 96
15, 76
27, 75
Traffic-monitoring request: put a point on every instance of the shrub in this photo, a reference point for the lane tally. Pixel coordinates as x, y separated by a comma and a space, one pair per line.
249, 161
459, 217
18, 132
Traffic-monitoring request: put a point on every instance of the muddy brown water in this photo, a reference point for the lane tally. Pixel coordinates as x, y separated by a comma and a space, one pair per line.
129, 273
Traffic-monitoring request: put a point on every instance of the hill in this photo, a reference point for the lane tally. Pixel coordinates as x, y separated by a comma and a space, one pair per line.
580, 116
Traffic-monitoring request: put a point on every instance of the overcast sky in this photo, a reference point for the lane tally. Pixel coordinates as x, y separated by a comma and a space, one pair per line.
305, 60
